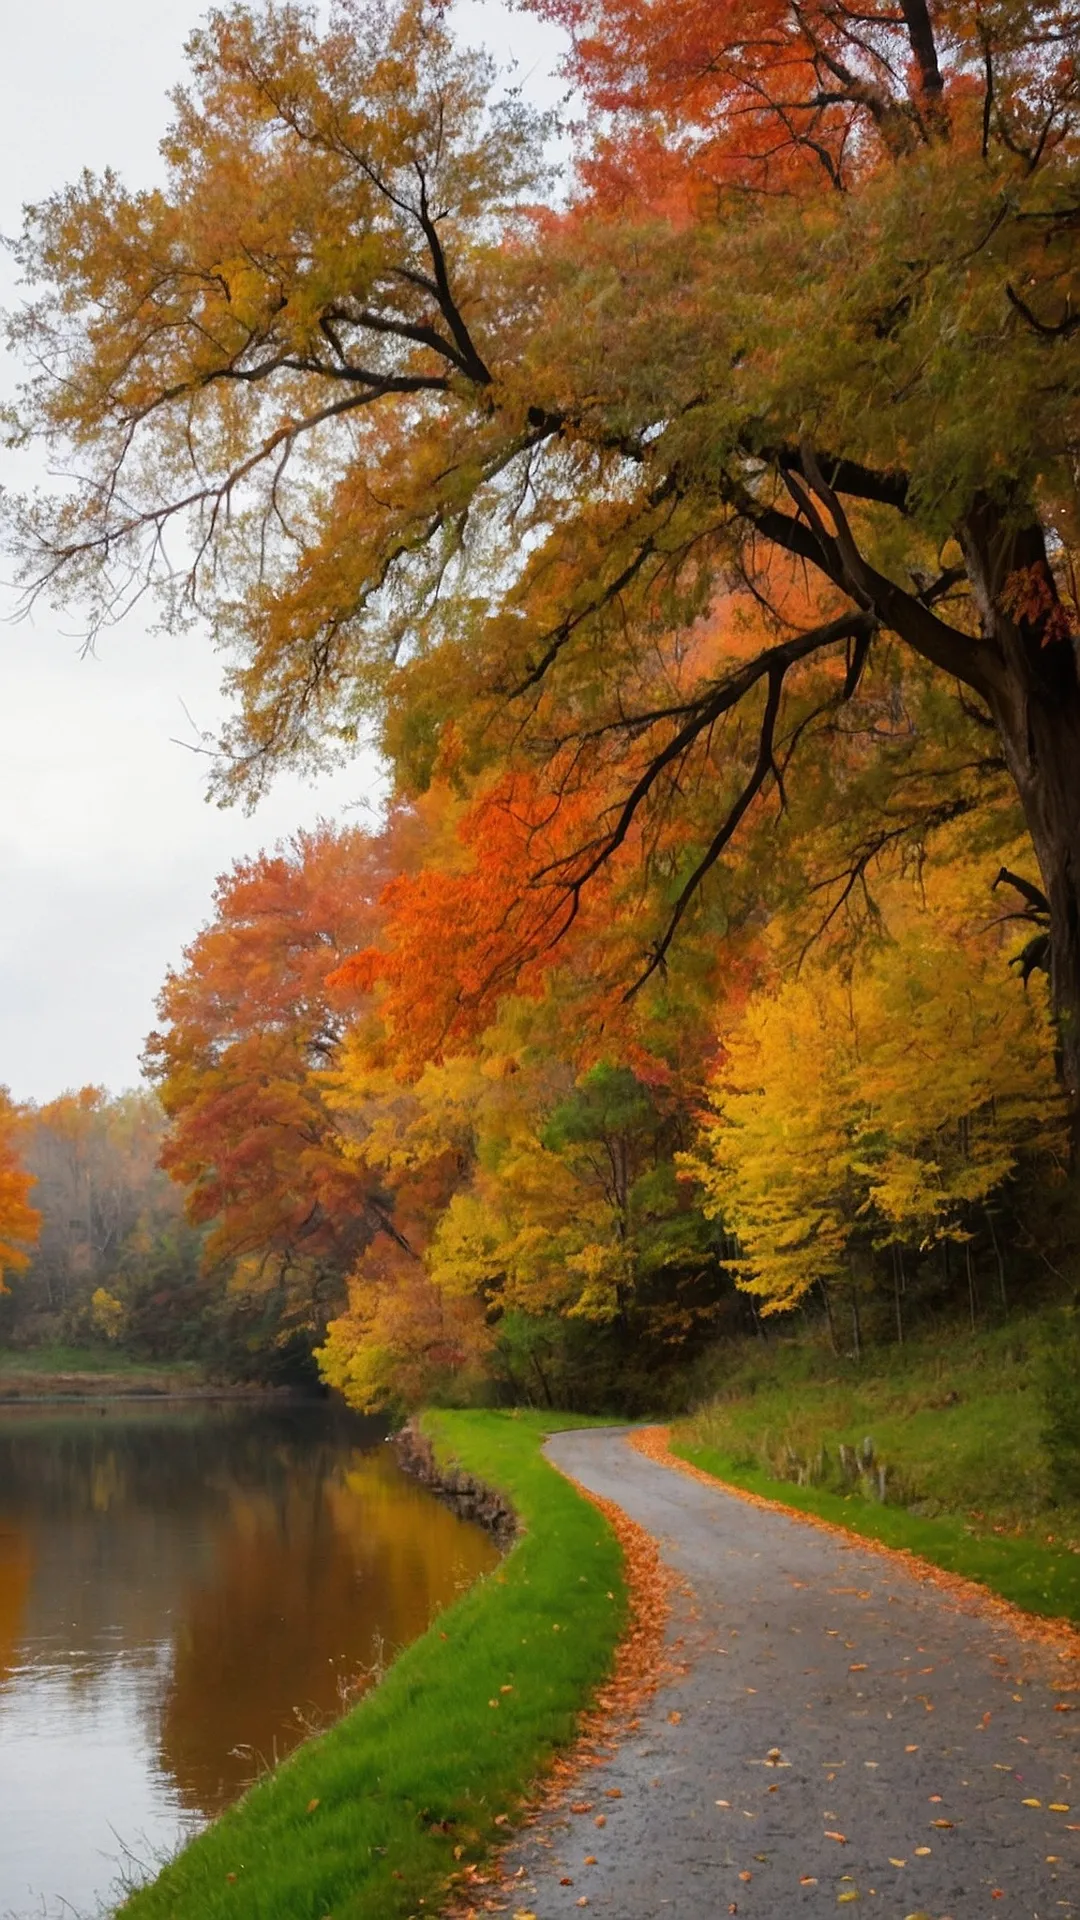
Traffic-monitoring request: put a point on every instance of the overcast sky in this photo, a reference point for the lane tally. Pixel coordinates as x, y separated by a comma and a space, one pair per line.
108, 850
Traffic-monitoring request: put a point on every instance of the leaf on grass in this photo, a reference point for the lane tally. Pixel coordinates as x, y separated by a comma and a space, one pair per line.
311, 1805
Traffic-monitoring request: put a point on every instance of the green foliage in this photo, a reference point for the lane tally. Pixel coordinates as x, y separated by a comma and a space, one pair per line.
365, 1821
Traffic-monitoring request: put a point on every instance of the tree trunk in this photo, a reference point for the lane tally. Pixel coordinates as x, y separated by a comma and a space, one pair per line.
1035, 702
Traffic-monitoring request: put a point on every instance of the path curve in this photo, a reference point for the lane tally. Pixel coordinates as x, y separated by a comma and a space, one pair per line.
891, 1710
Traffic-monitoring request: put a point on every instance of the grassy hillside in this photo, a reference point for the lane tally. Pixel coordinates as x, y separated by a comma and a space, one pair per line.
936, 1446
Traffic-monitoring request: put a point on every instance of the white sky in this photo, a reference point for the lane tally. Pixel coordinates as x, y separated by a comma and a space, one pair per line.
108, 850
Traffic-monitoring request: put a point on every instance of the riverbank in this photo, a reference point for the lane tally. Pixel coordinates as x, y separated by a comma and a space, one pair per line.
50, 1374
934, 1448
370, 1820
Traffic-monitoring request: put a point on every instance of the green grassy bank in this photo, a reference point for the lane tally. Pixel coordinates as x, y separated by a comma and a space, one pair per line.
367, 1821
956, 1426
59, 1372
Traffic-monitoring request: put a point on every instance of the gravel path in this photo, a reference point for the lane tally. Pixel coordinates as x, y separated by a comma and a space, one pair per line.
920, 1756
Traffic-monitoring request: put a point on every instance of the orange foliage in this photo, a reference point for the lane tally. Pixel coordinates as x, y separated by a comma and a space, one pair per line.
19, 1221
759, 94
250, 1025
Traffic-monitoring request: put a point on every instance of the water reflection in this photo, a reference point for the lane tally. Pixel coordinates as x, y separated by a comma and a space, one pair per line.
183, 1593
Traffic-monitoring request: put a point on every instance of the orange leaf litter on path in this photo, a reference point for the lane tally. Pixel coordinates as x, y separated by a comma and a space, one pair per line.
967, 1595
639, 1667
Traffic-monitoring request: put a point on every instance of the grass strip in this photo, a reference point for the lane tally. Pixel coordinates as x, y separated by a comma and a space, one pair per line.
367, 1821
1038, 1578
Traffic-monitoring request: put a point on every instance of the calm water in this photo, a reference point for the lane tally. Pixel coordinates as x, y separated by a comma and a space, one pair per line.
183, 1594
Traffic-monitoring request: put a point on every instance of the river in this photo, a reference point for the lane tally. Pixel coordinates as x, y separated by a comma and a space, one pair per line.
185, 1592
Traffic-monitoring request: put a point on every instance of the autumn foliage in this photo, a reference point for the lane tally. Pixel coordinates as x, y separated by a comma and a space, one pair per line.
19, 1221
698, 544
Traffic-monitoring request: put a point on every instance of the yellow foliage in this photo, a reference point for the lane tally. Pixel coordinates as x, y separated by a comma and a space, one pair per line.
108, 1315
882, 1100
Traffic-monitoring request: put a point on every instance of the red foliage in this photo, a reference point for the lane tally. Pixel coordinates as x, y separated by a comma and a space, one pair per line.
250, 1021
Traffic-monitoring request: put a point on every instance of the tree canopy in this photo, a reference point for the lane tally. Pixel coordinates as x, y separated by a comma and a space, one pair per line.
695, 537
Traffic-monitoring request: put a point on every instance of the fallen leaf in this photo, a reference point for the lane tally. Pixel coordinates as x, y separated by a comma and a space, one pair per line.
674, 1717
807, 1880
745, 1875
566, 1881
1053, 1859
601, 1820
829, 1835
1031, 1803
613, 1793
896, 1863
1060, 1806
922, 1851
524, 1913
858, 1666
581, 1806
723, 1803
941, 1823
911, 1749
590, 1860
843, 1898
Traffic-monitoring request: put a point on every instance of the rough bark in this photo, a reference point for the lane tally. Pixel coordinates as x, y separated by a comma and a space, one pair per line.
1035, 701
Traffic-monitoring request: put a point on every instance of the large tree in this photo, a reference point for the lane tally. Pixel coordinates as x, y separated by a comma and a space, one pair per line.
804, 341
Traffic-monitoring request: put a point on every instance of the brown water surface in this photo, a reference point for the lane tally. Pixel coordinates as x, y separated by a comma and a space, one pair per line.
185, 1592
